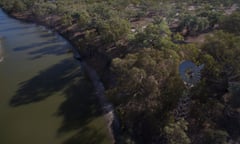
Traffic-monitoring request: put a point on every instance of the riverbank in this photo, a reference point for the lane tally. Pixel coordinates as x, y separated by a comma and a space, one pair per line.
45, 95
52, 22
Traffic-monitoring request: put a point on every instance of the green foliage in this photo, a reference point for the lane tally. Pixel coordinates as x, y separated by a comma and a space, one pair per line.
157, 35
61, 7
102, 11
194, 24
18, 6
113, 29
213, 136
219, 53
189, 52
83, 19
147, 84
178, 37
222, 50
176, 132
149, 68
7, 5
67, 19
231, 23
29, 3
212, 16
43, 8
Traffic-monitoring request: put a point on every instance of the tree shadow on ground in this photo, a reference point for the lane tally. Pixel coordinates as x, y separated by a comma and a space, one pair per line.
79, 108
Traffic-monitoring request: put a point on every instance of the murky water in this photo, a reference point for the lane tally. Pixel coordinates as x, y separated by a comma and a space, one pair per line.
1, 49
44, 97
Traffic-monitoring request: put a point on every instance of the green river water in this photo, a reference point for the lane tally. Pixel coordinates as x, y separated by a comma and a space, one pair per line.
44, 96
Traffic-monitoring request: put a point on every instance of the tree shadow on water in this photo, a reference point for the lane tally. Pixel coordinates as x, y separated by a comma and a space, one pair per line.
79, 108
86, 136
41, 49
46, 83
56, 49
14, 28
31, 46
80, 105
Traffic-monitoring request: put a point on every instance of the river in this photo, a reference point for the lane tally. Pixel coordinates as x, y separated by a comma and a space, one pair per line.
44, 96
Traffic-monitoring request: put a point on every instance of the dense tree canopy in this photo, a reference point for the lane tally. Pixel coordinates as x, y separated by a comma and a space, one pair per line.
220, 53
231, 23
